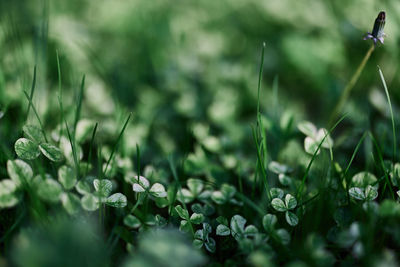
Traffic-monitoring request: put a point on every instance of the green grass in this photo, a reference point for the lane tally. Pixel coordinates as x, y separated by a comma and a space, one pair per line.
175, 148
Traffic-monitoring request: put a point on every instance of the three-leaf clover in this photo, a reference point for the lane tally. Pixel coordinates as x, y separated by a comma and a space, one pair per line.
314, 137
195, 218
21, 174
269, 221
237, 228
103, 188
141, 184
285, 206
225, 195
368, 193
201, 237
133, 222
282, 171
194, 190
30, 148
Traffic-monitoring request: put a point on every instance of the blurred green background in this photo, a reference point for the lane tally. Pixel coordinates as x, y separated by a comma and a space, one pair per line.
185, 64
188, 73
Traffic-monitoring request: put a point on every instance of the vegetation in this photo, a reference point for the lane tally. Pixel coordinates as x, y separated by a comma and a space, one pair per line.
218, 133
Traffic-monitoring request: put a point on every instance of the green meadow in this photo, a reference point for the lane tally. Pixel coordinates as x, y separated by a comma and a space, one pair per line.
199, 133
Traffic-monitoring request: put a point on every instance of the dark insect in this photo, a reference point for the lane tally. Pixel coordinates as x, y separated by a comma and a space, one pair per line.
377, 31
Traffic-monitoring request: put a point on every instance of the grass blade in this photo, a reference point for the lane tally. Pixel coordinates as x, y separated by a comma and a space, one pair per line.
117, 142
391, 113
299, 191
32, 91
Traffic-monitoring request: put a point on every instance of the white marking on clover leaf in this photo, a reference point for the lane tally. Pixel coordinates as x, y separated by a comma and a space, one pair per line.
328, 142
197, 218
228, 191
103, 187
65, 147
269, 220
199, 234
158, 190
276, 192
307, 128
250, 230
130, 177
205, 195
84, 128
26, 149
7, 186
33, 133
184, 214
66, 176
211, 143
278, 204
311, 145
7, 200
117, 200
218, 197
278, 168
207, 229
290, 202
141, 184
237, 225
132, 222
184, 195
223, 230
49, 190
89, 202
51, 152
370, 193
7, 197
362, 179
357, 193
291, 218
284, 179
195, 185
83, 187
210, 244
71, 203
19, 171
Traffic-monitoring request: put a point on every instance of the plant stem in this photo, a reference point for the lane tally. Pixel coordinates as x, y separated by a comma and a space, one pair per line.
347, 90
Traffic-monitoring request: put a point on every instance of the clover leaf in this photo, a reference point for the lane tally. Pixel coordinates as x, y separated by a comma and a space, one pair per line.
290, 203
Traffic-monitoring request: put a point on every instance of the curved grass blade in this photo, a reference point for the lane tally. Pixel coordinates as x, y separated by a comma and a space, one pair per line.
299, 191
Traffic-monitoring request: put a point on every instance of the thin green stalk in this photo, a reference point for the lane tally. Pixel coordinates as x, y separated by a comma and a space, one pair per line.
117, 142
138, 159
262, 167
349, 164
240, 179
179, 187
391, 114
349, 86
79, 106
59, 94
91, 147
299, 191
382, 165
37, 115
260, 79
73, 147
32, 91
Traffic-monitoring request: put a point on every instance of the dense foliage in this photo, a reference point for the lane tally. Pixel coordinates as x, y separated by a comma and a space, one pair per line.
145, 133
